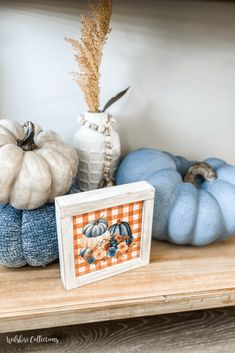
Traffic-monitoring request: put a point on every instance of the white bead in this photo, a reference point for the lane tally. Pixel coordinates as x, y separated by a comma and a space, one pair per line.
101, 129
106, 119
107, 164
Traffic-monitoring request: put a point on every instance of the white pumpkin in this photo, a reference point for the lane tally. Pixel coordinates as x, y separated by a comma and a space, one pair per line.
36, 165
91, 243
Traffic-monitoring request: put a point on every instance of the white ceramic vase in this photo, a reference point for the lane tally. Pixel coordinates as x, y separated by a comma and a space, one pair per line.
99, 150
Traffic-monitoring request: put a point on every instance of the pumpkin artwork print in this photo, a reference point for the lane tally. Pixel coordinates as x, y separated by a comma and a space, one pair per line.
107, 237
100, 242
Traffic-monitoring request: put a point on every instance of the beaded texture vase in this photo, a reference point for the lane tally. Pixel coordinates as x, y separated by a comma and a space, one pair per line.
99, 150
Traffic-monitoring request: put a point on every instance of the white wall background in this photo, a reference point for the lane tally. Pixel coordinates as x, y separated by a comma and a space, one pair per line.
178, 57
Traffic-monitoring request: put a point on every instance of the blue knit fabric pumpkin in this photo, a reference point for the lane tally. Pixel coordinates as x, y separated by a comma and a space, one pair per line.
190, 208
28, 237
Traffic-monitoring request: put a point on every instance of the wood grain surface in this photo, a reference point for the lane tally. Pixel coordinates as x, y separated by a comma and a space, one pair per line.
208, 331
177, 279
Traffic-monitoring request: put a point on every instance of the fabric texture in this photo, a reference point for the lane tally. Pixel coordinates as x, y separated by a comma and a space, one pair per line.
28, 237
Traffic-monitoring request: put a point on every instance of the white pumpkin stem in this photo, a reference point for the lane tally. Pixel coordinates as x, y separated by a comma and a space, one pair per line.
28, 144
201, 169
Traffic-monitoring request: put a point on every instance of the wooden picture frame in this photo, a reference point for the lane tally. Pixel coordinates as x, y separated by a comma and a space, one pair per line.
104, 232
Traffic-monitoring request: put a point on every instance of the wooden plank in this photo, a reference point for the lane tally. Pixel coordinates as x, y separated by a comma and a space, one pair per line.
207, 331
177, 279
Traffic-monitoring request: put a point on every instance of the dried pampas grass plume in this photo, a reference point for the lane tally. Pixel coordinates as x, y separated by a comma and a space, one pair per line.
89, 50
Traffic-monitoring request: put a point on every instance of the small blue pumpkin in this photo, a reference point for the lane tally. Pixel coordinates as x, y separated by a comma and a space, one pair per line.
194, 202
28, 237
121, 228
84, 251
95, 228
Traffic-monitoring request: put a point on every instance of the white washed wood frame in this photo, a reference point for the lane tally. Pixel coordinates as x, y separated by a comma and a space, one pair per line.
72, 205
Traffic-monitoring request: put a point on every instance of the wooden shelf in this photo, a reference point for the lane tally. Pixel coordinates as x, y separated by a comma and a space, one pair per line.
178, 279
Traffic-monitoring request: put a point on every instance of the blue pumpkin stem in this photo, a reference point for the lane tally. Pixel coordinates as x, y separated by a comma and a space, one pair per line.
199, 169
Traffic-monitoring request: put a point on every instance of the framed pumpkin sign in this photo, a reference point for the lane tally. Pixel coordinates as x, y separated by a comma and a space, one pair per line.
104, 232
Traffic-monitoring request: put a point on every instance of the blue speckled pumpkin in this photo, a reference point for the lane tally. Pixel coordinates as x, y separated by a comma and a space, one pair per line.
28, 237
194, 203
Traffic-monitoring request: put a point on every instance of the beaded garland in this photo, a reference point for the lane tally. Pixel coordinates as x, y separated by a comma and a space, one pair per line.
105, 129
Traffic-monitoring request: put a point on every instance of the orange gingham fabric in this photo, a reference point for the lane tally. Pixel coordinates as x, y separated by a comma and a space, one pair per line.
131, 213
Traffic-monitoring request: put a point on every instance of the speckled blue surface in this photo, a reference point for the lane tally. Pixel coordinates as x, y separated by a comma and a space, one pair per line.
184, 214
